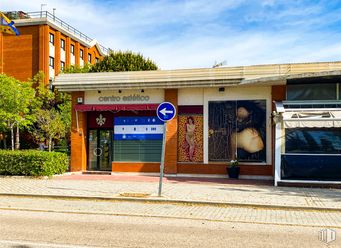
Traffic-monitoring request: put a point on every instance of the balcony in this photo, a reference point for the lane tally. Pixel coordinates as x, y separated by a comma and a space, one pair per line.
15, 15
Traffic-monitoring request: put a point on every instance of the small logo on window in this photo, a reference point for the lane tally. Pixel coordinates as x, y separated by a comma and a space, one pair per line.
100, 120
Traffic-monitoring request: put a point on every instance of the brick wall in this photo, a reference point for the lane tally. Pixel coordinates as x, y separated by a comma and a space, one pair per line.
21, 53
78, 137
171, 150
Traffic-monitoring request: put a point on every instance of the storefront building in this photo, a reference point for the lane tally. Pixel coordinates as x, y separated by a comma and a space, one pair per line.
222, 114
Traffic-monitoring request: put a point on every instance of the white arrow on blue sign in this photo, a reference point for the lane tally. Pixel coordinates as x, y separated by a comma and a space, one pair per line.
166, 111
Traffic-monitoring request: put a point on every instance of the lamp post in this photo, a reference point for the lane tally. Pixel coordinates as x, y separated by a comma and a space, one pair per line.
41, 9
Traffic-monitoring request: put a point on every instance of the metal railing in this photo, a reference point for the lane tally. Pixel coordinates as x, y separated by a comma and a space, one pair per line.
56, 20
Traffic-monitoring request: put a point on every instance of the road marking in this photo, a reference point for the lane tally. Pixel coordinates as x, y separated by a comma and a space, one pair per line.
166, 217
22, 243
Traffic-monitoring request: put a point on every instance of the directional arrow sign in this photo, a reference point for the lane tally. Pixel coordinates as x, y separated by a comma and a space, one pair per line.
166, 111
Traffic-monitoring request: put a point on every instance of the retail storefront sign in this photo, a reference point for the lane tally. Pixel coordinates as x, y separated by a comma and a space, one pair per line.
124, 97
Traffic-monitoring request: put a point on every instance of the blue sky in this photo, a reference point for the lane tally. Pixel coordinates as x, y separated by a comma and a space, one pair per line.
197, 33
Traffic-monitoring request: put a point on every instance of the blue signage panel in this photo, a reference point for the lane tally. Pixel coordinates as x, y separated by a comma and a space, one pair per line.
138, 128
166, 111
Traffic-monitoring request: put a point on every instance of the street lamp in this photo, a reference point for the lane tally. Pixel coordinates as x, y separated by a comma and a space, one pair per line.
41, 9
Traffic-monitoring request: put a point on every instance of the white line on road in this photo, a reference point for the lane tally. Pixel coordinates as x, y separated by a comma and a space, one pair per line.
22, 243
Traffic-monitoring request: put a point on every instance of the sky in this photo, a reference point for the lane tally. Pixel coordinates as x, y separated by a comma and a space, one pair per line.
199, 33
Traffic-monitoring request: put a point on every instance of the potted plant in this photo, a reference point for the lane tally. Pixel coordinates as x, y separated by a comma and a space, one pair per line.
233, 169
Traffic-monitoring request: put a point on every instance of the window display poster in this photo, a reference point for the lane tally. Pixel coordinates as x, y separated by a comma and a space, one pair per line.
190, 138
237, 129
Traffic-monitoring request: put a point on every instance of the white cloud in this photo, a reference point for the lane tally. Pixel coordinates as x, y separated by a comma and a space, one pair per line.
196, 33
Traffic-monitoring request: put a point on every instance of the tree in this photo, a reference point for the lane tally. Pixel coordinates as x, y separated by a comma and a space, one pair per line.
77, 69
15, 100
52, 113
50, 126
124, 61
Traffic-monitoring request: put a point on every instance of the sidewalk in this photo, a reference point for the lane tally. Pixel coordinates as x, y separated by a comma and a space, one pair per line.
208, 191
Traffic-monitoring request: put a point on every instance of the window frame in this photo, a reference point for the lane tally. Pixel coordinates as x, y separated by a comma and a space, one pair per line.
51, 38
62, 65
72, 49
62, 44
51, 59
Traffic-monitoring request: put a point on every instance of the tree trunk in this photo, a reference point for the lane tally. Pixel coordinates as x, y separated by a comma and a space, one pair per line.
17, 139
12, 137
5, 142
50, 144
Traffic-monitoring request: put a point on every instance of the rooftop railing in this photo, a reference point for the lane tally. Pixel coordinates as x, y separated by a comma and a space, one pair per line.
45, 14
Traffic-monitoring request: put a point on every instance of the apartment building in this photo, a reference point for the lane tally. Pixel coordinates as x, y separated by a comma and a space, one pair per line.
46, 43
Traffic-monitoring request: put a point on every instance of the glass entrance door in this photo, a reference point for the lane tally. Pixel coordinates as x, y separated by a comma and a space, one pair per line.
99, 150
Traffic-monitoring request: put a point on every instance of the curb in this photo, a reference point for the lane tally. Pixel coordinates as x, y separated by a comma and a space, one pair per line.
179, 202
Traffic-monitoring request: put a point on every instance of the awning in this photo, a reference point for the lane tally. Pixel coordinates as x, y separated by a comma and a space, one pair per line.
312, 119
113, 107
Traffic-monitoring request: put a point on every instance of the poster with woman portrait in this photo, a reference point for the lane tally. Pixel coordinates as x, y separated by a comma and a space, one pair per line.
237, 129
190, 138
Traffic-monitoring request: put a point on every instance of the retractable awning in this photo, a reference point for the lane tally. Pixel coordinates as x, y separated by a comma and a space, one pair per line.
312, 119
113, 107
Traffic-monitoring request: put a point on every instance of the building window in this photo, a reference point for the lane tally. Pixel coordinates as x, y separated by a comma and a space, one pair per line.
62, 65
314, 91
81, 53
51, 39
137, 139
72, 49
237, 129
51, 62
97, 60
89, 57
62, 44
313, 140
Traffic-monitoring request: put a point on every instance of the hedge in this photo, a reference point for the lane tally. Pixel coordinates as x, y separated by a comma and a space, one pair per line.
32, 163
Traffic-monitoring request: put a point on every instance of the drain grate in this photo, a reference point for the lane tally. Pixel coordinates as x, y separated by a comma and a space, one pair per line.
134, 194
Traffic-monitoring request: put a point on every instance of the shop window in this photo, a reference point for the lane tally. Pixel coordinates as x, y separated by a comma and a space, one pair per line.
62, 44
137, 139
313, 140
237, 129
72, 49
51, 39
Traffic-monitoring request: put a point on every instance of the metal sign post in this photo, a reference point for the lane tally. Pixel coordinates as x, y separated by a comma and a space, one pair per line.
162, 164
165, 112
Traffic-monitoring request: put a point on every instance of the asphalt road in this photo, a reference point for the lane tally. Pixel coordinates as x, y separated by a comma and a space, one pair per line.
68, 228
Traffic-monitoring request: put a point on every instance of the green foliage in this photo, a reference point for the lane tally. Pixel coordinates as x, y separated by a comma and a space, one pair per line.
123, 61
50, 126
32, 163
15, 101
116, 61
52, 113
233, 163
77, 69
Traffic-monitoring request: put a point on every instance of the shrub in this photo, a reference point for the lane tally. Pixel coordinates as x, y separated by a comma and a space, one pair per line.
32, 163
